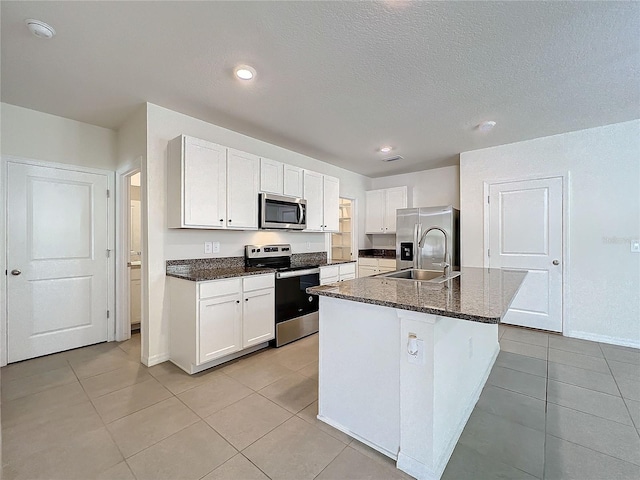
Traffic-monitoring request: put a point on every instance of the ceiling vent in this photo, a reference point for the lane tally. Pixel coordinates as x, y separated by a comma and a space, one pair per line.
393, 159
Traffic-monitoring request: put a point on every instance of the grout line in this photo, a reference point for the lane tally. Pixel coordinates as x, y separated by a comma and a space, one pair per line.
593, 450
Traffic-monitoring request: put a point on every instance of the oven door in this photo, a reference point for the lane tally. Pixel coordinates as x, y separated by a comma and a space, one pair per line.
292, 300
277, 212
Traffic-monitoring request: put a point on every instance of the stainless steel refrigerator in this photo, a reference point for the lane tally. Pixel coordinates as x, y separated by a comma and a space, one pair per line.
412, 222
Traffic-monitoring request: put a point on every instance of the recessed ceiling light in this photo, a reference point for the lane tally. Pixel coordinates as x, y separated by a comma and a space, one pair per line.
40, 29
245, 72
385, 149
486, 126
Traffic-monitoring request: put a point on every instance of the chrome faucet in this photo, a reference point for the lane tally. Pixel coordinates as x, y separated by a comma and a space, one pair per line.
446, 265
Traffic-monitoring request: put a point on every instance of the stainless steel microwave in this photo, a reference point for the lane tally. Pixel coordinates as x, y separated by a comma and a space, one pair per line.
285, 213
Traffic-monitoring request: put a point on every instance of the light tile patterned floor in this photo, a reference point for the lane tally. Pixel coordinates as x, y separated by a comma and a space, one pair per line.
553, 408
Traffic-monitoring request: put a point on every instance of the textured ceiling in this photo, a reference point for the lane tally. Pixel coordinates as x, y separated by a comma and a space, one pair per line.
336, 79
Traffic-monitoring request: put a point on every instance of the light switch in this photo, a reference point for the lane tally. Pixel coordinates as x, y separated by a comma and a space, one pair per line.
635, 246
208, 247
216, 247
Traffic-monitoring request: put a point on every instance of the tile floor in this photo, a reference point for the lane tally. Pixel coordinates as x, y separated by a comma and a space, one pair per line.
553, 408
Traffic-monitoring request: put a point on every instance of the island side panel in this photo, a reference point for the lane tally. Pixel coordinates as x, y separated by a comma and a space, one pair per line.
359, 373
464, 355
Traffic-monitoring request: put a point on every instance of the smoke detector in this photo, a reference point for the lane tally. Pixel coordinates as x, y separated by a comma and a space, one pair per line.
40, 29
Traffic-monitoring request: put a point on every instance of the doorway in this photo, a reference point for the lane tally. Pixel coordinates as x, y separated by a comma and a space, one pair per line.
525, 225
134, 262
342, 242
58, 251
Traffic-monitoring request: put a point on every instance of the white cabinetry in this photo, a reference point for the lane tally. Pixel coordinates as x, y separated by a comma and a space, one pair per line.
211, 186
293, 181
373, 266
322, 193
197, 184
215, 321
381, 209
271, 176
242, 190
337, 273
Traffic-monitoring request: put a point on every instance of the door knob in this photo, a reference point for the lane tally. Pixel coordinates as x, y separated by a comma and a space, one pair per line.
15, 271
556, 262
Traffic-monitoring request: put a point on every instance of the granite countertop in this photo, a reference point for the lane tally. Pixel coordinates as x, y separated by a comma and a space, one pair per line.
217, 273
336, 262
377, 253
478, 294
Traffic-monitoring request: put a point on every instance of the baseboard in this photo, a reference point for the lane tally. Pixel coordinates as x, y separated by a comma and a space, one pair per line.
421, 471
155, 359
623, 342
345, 430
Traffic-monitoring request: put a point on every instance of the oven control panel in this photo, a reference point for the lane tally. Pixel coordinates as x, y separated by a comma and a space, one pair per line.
262, 251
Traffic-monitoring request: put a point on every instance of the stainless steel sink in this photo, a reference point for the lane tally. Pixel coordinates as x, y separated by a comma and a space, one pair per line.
431, 276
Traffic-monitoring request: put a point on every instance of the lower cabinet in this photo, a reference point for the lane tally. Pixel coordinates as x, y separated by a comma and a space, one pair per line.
337, 273
368, 267
215, 321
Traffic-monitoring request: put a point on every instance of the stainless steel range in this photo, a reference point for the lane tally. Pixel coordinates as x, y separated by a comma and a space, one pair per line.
296, 311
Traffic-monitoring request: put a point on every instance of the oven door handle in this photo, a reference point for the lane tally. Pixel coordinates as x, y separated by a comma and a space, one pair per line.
297, 273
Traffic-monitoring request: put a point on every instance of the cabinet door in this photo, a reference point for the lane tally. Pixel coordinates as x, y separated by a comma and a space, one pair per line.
293, 181
313, 195
366, 271
374, 212
331, 204
395, 198
242, 183
258, 317
271, 176
219, 327
204, 190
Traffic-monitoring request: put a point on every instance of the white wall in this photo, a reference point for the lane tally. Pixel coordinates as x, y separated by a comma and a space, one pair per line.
429, 188
603, 163
39, 136
166, 244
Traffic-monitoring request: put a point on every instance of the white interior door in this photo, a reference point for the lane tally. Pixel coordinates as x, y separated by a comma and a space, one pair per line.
525, 233
57, 260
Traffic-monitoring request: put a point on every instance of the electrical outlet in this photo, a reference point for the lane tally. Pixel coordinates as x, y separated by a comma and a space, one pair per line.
216, 247
635, 246
308, 245
208, 247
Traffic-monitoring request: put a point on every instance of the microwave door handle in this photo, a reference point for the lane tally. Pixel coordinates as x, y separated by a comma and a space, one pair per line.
301, 214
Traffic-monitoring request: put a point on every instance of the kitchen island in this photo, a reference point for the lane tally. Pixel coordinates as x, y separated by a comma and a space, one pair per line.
403, 362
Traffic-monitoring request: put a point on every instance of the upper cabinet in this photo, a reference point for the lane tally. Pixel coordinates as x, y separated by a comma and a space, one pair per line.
211, 186
322, 193
280, 178
381, 206
293, 181
243, 173
271, 176
197, 184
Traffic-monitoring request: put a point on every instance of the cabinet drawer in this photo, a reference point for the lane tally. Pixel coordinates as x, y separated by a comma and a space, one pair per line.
327, 280
349, 276
218, 288
385, 263
347, 269
368, 262
258, 282
331, 271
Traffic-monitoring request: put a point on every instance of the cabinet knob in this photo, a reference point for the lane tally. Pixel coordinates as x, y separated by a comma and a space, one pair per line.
222, 219
229, 220
246, 299
237, 301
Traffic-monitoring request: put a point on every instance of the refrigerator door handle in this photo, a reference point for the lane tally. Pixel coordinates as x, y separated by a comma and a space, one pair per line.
416, 238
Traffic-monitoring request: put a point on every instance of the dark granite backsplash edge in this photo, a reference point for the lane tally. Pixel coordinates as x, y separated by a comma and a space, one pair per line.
378, 252
310, 258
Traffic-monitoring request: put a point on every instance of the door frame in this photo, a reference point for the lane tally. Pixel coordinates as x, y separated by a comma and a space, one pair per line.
566, 215
123, 281
4, 162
